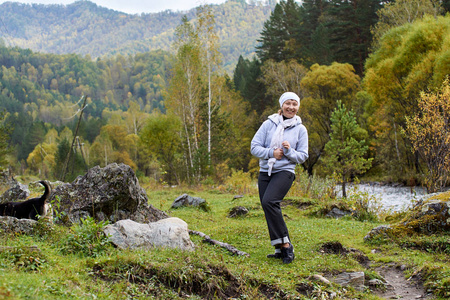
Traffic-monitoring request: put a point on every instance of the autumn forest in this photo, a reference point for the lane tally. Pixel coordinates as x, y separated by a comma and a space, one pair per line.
181, 104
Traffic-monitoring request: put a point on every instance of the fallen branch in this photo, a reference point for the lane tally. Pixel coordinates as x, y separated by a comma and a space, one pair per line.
207, 239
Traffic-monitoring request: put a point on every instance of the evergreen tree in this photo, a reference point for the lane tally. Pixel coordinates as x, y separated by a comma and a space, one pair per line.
279, 36
60, 159
313, 34
246, 79
272, 37
32, 138
446, 6
345, 152
349, 26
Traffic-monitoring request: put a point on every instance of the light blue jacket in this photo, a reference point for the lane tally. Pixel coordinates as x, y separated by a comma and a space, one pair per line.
296, 135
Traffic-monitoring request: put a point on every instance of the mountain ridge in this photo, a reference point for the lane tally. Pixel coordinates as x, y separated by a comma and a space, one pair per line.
85, 28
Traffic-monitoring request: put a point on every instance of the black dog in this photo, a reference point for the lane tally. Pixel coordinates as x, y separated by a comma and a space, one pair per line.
29, 209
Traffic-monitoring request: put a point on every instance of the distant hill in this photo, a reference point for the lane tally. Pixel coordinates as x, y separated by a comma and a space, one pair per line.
88, 29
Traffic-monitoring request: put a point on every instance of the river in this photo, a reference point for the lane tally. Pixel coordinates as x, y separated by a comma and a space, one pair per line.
393, 198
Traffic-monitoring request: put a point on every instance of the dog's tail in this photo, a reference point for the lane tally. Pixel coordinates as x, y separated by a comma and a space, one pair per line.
47, 191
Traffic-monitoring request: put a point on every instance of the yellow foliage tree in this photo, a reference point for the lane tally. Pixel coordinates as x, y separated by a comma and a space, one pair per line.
42, 159
323, 86
400, 12
410, 59
280, 77
429, 132
113, 145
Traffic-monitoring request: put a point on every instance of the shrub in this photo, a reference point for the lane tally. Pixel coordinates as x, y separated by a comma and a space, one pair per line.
87, 239
313, 187
239, 182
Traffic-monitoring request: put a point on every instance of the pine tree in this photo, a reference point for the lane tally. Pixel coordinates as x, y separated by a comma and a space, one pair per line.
246, 80
279, 38
349, 27
345, 152
313, 34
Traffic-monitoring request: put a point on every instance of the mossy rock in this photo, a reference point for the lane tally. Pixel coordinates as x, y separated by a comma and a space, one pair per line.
428, 217
431, 217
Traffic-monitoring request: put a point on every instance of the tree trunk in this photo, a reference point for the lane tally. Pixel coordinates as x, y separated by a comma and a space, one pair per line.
344, 193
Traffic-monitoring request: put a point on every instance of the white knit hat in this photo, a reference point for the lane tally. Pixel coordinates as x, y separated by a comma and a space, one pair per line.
289, 96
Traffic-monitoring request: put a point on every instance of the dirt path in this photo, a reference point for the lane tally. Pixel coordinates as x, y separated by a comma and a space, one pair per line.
398, 287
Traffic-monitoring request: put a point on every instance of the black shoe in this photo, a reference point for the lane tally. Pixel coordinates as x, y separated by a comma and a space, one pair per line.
277, 255
288, 254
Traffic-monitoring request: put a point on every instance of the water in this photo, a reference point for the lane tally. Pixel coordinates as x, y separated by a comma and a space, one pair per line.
393, 198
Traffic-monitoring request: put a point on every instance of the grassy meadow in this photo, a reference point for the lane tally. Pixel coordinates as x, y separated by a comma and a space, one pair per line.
78, 263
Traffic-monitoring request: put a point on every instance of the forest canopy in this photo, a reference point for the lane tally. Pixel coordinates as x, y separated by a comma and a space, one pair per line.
328, 52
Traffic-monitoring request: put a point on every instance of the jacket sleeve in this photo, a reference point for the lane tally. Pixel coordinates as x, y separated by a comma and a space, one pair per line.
259, 146
300, 154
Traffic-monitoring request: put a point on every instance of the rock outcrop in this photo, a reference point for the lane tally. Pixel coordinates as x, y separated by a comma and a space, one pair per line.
17, 192
111, 193
12, 224
427, 217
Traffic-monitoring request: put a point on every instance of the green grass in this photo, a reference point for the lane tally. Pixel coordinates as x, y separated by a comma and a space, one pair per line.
211, 271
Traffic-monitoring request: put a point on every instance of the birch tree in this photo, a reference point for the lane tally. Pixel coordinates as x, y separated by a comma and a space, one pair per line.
184, 92
210, 47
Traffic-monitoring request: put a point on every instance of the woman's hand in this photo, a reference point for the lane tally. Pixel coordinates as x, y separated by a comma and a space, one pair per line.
286, 145
278, 153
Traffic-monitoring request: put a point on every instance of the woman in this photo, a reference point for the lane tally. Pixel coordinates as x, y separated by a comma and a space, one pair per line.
280, 144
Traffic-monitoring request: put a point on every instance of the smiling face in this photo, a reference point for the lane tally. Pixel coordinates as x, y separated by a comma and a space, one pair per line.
289, 108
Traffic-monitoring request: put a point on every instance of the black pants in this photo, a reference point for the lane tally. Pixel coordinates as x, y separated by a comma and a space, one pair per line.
272, 190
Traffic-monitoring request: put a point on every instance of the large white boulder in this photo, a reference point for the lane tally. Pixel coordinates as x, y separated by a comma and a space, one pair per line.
166, 233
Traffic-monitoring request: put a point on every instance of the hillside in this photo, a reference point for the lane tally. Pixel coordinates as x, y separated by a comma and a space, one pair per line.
88, 29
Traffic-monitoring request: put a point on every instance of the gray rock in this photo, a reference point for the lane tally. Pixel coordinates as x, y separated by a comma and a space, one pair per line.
7, 178
167, 233
376, 283
11, 224
382, 230
337, 213
17, 192
111, 193
238, 211
186, 200
354, 279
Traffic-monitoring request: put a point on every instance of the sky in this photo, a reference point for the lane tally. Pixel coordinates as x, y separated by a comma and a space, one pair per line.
135, 6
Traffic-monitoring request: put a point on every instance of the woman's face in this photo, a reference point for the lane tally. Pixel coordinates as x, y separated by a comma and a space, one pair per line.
289, 108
